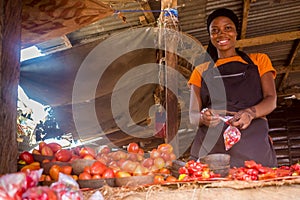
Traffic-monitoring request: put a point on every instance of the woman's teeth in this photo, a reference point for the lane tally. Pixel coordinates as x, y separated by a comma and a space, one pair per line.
223, 41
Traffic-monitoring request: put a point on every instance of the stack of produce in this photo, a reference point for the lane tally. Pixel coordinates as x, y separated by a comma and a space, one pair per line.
84, 163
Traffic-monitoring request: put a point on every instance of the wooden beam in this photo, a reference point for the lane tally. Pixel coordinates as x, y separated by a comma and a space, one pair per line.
283, 69
288, 93
284, 80
149, 15
143, 20
66, 41
268, 39
246, 9
295, 53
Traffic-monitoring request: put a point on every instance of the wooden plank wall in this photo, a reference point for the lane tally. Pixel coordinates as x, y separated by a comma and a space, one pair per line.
284, 125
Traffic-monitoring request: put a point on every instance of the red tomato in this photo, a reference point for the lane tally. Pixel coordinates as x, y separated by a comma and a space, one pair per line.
105, 150
133, 147
46, 151
250, 164
27, 157
158, 179
89, 157
35, 151
66, 169
63, 155
54, 172
121, 174
164, 171
41, 145
87, 169
84, 176
141, 152
54, 146
108, 173
87, 151
32, 166
97, 168
171, 179
96, 176
48, 178
165, 148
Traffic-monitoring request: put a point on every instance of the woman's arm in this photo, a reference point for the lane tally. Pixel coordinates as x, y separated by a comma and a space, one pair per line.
243, 118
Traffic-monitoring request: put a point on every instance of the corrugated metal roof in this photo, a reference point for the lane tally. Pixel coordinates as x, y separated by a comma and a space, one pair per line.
109, 25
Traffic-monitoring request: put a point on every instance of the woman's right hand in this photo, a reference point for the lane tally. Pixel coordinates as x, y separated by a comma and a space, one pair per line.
208, 118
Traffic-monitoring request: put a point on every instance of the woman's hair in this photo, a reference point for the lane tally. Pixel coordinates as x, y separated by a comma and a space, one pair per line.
211, 49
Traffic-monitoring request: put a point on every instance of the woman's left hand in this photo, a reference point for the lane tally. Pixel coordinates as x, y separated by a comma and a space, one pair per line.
243, 118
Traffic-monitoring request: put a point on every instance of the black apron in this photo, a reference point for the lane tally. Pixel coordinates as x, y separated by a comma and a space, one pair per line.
234, 86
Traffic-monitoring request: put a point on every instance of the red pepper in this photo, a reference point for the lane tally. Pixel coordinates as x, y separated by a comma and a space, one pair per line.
296, 167
27, 157
251, 172
183, 170
250, 164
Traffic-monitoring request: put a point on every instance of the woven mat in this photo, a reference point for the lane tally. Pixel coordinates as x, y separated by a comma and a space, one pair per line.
289, 187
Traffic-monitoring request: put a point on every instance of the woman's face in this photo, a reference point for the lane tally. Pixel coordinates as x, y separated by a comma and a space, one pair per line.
223, 34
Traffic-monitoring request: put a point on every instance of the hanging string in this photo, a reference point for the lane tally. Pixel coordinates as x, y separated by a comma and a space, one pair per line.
153, 11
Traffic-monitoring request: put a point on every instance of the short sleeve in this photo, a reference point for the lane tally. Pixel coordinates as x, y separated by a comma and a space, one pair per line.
264, 64
196, 76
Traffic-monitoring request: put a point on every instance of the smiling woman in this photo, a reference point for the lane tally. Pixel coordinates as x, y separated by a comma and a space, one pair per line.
232, 83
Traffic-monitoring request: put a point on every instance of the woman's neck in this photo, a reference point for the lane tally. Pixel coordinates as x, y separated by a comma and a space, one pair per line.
227, 54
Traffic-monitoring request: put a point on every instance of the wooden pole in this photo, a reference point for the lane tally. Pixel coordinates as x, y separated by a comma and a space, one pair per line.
170, 22
10, 46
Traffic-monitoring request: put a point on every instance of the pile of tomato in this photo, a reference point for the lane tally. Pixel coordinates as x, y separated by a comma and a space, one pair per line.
251, 171
195, 171
255, 171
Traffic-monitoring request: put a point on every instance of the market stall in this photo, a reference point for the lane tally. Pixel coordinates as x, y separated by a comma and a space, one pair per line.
52, 172
123, 170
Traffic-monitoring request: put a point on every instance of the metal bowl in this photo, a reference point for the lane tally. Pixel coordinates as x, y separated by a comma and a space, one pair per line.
96, 183
41, 158
218, 163
78, 165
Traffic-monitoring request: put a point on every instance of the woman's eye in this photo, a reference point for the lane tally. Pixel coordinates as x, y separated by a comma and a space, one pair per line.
228, 28
214, 31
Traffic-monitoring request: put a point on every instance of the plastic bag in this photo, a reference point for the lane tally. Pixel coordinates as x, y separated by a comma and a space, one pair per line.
67, 188
231, 136
13, 185
160, 125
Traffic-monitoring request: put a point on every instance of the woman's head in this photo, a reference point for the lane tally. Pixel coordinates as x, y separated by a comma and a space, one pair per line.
222, 26
225, 13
